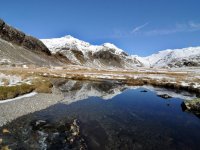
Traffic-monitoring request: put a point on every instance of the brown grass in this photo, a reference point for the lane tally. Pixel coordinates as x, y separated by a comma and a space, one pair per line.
42, 86
7, 92
39, 85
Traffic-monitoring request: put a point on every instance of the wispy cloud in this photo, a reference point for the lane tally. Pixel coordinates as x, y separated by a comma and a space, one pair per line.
178, 28
138, 28
194, 25
189, 26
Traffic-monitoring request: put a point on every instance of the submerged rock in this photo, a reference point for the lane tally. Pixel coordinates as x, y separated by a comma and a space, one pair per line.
144, 91
165, 96
44, 134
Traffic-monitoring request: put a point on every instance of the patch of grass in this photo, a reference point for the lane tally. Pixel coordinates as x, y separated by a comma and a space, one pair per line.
39, 85
7, 92
42, 86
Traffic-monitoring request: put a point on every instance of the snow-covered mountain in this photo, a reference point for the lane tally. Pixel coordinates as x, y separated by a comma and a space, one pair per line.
76, 90
108, 55
186, 57
83, 53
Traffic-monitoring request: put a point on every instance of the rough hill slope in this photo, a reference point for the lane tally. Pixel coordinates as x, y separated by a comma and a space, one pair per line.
18, 48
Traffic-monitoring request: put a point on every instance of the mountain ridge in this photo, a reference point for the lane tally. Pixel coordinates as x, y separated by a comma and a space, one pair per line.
17, 47
79, 52
185, 57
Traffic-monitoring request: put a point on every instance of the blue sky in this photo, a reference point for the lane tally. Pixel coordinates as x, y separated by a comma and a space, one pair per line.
139, 27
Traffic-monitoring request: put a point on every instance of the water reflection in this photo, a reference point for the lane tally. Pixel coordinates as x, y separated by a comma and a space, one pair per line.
130, 119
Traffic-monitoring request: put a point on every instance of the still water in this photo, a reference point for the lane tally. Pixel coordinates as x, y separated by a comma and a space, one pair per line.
100, 116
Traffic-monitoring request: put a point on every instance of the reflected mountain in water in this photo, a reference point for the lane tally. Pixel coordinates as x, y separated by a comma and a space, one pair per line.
79, 90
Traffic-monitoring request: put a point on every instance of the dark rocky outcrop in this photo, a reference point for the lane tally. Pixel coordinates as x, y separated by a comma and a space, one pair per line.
34, 44
10, 34
79, 55
108, 58
1, 24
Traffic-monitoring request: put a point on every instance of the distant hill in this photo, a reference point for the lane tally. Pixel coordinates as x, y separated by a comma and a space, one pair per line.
186, 57
108, 55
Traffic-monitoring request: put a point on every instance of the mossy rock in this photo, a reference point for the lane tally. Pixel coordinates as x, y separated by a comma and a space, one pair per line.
193, 105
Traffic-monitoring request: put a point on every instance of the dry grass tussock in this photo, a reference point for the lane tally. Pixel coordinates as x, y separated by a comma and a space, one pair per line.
39, 85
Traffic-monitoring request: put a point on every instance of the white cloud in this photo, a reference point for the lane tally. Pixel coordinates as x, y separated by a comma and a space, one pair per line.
190, 26
138, 28
187, 27
194, 25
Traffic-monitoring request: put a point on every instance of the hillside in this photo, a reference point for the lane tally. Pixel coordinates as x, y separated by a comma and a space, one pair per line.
17, 48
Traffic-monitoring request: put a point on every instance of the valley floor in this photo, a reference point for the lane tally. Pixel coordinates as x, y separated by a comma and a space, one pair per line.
16, 81
184, 79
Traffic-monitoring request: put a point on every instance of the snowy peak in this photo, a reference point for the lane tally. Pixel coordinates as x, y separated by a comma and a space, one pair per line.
55, 44
79, 52
69, 41
173, 58
108, 55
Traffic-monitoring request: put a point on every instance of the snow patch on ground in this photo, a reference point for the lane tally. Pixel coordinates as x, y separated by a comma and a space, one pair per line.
18, 98
12, 80
9, 80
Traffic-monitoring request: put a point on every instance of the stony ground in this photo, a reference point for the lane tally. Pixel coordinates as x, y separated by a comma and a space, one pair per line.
14, 109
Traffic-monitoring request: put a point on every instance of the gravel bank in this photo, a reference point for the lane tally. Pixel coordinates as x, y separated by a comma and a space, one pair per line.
14, 109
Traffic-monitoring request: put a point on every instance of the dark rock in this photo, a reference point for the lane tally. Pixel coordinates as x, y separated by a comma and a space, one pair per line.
78, 54
11, 34
190, 63
106, 55
165, 96
34, 44
192, 105
125, 54
144, 91
38, 124
2, 23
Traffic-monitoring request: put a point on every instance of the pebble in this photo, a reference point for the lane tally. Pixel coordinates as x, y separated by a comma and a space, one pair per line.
5, 131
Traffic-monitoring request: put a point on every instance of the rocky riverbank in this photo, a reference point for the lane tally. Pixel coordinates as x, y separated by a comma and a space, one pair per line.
14, 109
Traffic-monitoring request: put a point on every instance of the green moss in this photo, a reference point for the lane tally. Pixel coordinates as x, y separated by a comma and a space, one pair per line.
7, 92
192, 102
39, 85
193, 105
